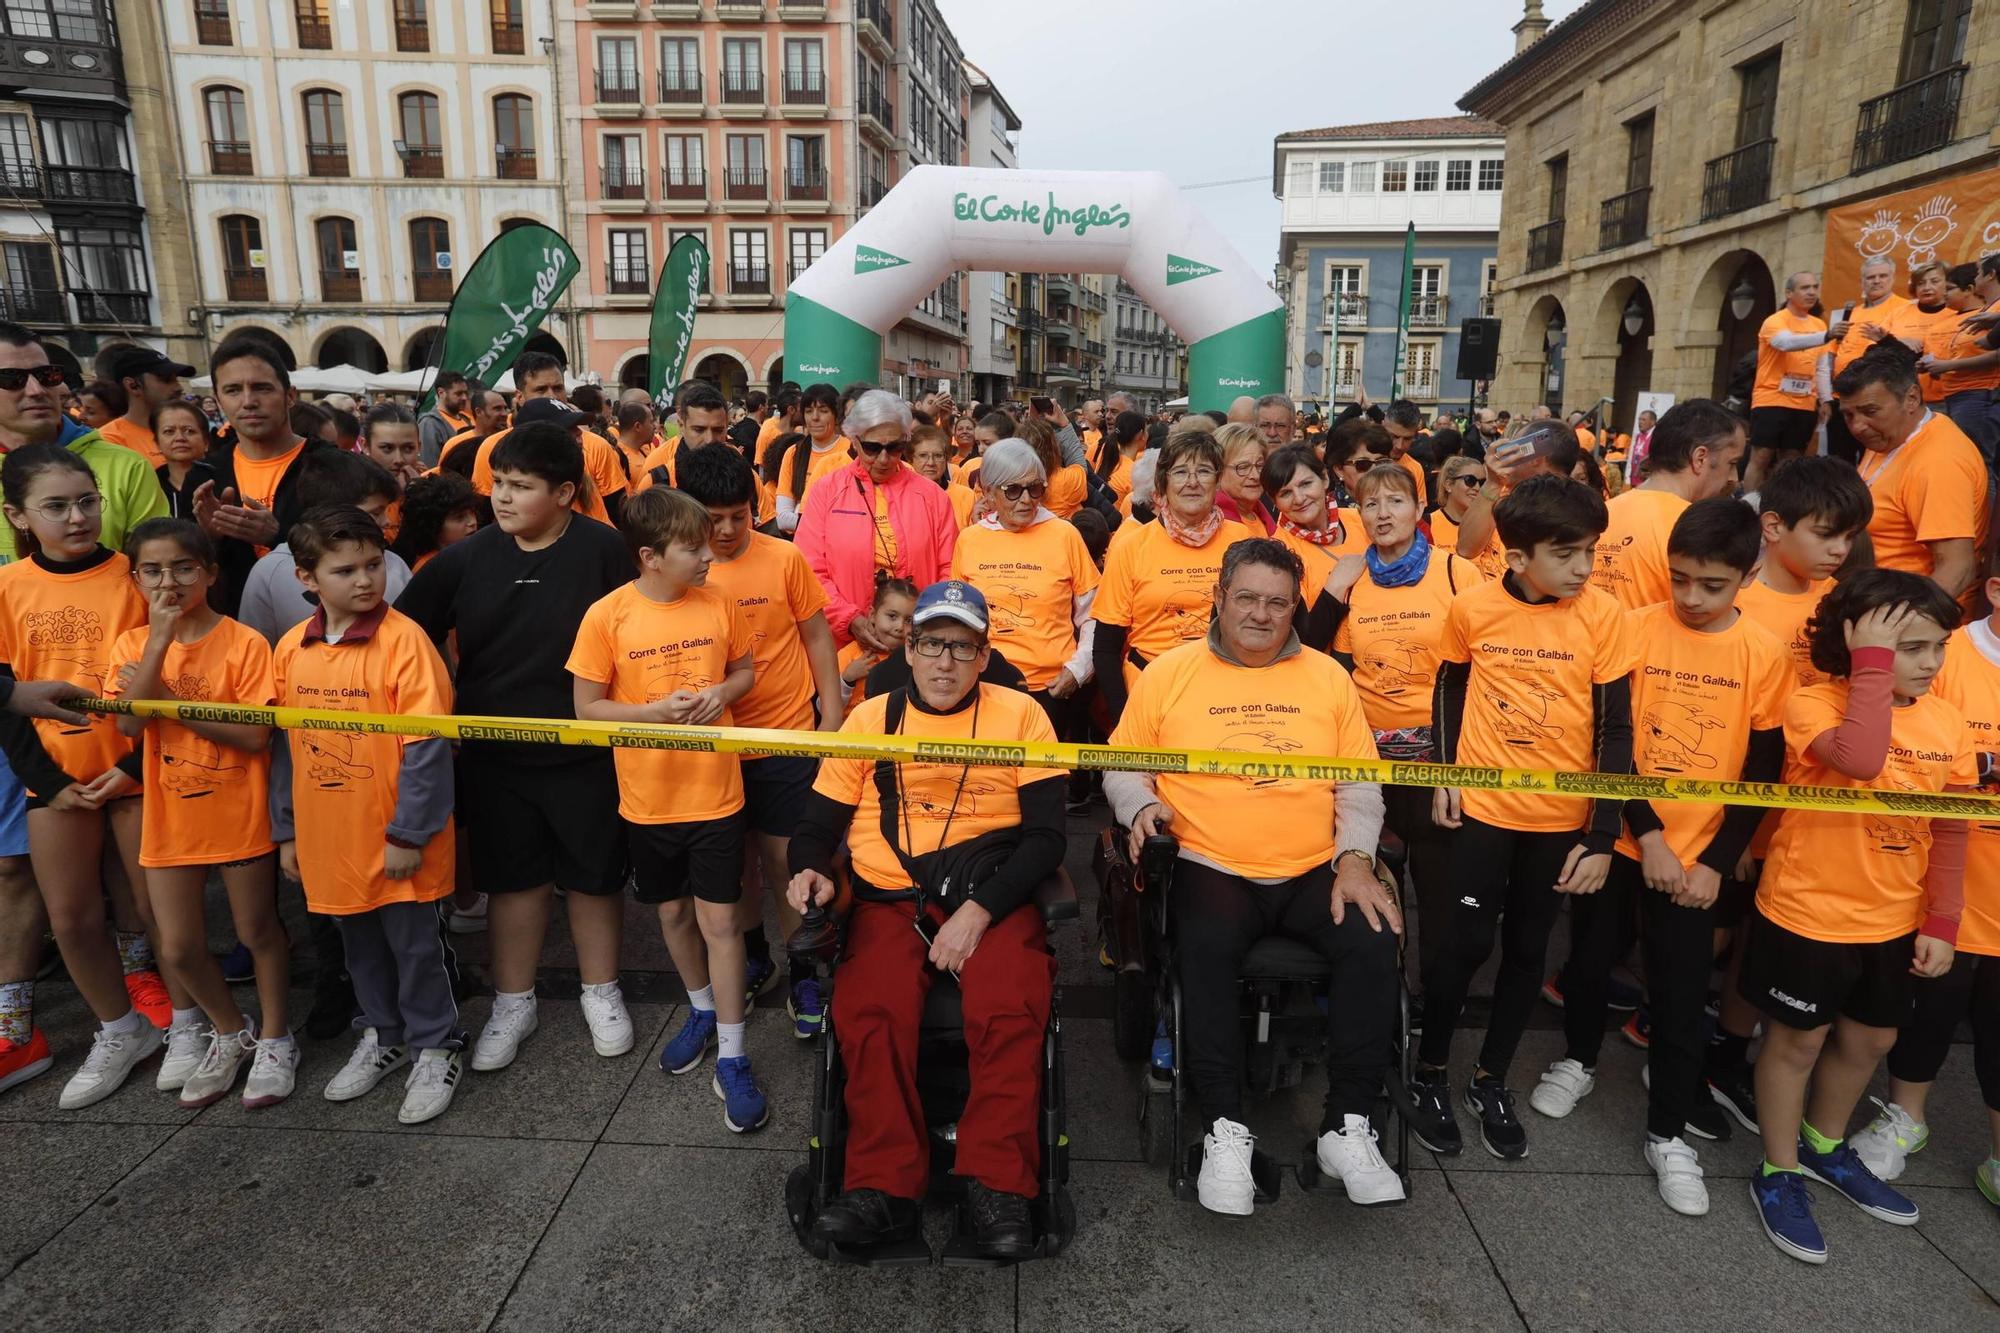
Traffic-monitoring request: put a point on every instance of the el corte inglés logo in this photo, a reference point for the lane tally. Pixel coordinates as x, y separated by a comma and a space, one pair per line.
1048, 215
1181, 270
869, 260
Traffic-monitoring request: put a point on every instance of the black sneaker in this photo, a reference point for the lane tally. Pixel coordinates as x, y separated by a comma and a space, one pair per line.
1000, 1225
1735, 1091
1434, 1125
868, 1217
1499, 1130
1709, 1122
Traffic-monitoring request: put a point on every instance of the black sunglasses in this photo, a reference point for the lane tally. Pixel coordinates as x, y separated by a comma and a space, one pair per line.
871, 448
13, 379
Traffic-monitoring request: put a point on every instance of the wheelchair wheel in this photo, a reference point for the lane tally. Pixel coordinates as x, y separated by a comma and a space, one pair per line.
1132, 1019
1156, 1122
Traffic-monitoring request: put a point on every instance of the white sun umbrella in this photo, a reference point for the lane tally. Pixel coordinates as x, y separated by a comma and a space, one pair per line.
332, 379
402, 381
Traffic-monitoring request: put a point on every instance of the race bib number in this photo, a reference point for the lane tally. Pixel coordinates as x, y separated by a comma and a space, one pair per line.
1795, 386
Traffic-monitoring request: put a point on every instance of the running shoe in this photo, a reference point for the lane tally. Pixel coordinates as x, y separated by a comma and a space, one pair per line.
468, 920
1987, 1176
758, 973
433, 1082
187, 1043
1735, 1091
610, 1023
112, 1056
1638, 1029
1225, 1184
513, 1020
1434, 1124
1679, 1175
1351, 1156
691, 1043
1552, 989
1499, 1129
273, 1073
1846, 1172
1563, 1085
1785, 1209
239, 968
149, 997
743, 1104
20, 1062
1890, 1140
365, 1068
807, 1009
216, 1074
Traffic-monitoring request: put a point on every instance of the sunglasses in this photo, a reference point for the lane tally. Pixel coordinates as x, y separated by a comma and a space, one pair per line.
871, 448
1033, 489
13, 379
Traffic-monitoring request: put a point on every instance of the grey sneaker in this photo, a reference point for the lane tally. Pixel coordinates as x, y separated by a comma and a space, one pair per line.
112, 1057
187, 1046
365, 1068
216, 1074
433, 1082
273, 1073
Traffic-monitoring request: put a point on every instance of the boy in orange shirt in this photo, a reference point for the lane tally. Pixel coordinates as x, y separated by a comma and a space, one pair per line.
364, 819
665, 648
1812, 511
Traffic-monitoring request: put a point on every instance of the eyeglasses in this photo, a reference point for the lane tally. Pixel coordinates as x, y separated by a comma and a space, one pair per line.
1362, 462
1248, 603
933, 647
13, 379
1185, 474
1469, 479
157, 576
872, 448
55, 511
1033, 489
1246, 469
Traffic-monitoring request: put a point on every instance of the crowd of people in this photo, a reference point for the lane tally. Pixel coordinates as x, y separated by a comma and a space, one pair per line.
1714, 593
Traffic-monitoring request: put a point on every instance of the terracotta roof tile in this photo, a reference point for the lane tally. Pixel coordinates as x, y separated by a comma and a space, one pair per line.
1428, 127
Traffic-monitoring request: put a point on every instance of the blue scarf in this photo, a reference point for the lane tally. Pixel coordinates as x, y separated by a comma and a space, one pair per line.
1409, 568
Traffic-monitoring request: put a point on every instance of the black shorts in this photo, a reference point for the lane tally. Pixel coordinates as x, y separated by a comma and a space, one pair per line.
1733, 902
1782, 427
775, 790
1806, 984
527, 825
704, 858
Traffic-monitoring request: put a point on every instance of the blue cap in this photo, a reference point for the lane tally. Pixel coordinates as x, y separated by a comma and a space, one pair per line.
951, 600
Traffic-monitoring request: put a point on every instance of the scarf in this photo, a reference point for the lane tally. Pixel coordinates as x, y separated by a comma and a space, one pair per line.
1195, 535
1331, 535
1407, 569
1255, 518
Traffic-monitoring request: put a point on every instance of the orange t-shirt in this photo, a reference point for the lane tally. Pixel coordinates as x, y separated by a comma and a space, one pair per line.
1696, 697
1032, 581
1914, 324
1785, 614
1632, 553
1392, 634
963, 501
773, 427
1586, 438
935, 809
642, 651
345, 783
1120, 482
444, 452
849, 654
1161, 591
1960, 342
205, 804
603, 466
775, 593
61, 627
820, 462
1068, 489
1416, 471
1785, 379
1930, 488
666, 454
1851, 878
1854, 342
1492, 561
1528, 702
137, 438
1970, 682
1304, 704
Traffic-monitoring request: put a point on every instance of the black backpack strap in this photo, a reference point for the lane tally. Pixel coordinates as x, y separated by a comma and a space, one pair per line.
889, 799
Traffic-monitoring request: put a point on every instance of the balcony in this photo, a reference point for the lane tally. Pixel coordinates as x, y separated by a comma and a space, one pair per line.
805, 87
315, 34
1909, 121
1347, 309
431, 284
1060, 286
212, 26
22, 179
340, 284
1001, 350
1421, 383
246, 284
686, 184
326, 159
805, 184
31, 306
423, 162
509, 39
225, 158
872, 190
1486, 305
739, 11
802, 11
90, 185
412, 33
743, 87
1092, 347
745, 183
680, 88
1621, 220
1430, 312
624, 182
617, 87
750, 279
1545, 246
794, 268
879, 116
101, 307
1346, 388
514, 164
873, 24
1736, 181
624, 277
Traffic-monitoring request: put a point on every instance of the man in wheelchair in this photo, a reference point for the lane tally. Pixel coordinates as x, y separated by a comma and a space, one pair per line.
1263, 855
945, 860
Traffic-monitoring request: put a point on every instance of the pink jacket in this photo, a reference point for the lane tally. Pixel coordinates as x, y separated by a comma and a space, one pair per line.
837, 537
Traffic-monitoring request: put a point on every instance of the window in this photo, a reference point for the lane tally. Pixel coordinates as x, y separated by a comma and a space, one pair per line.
1427, 299
228, 131
1332, 177
1458, 175
243, 258
1346, 300
685, 178
805, 166
680, 70
514, 136
805, 70
430, 258
17, 155
742, 70
413, 25
624, 167
617, 69
1492, 171
745, 178
1420, 370
808, 244
315, 30
674, 235
326, 133
627, 272
25, 18
1757, 115
422, 135
339, 259
105, 271
1934, 38
508, 29
749, 263
1558, 186
85, 161
1395, 177
28, 287
1301, 179
1639, 152
1426, 177
1361, 178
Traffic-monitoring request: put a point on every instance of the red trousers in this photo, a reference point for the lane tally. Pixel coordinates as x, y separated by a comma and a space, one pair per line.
878, 1004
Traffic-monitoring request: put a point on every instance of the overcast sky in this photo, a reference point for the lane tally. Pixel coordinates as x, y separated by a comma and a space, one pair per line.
1199, 90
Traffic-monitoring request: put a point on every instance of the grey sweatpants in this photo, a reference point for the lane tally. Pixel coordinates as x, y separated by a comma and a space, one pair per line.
396, 957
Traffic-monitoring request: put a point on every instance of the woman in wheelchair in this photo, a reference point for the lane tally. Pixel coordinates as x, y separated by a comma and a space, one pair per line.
945, 861
1267, 855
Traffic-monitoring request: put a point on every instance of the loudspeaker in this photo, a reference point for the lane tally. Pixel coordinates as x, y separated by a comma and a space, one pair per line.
1478, 348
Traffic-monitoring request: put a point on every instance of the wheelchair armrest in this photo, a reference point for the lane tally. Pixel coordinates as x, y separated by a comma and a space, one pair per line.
1056, 898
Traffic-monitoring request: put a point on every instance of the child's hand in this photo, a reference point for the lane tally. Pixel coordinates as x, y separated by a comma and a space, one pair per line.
853, 672
71, 798
706, 706
674, 708
1746, 868
1882, 627
164, 607
1703, 887
1660, 866
109, 785
1933, 957
288, 860
1446, 808
400, 862
127, 673
1583, 871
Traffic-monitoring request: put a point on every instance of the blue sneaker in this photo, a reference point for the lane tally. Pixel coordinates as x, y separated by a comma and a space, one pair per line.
1786, 1211
757, 974
1845, 1171
684, 1052
1163, 1051
807, 1009
238, 967
743, 1104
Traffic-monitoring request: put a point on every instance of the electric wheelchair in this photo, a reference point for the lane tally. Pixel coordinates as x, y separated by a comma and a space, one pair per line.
943, 1082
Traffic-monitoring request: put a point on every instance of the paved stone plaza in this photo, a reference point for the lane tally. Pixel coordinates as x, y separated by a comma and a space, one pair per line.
571, 1192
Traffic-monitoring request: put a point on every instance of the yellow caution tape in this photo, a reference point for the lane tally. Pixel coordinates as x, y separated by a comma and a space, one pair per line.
754, 741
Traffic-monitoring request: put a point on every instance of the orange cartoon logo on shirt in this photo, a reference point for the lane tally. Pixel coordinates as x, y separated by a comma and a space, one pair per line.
191, 776
1189, 622
1525, 720
72, 637
966, 804
333, 767
665, 677
1673, 733
1396, 667
1008, 605
1258, 742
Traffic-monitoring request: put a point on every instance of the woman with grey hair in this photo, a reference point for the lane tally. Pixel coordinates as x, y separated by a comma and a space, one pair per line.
1037, 576
874, 518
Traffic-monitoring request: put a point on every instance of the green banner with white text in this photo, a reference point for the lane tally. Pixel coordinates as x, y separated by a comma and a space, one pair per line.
683, 278
502, 299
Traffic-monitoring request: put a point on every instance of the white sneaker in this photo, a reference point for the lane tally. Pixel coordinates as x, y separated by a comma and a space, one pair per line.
1225, 1185
1350, 1155
273, 1073
112, 1056
187, 1046
610, 1025
432, 1083
1885, 1146
469, 920
213, 1077
1563, 1085
1679, 1175
512, 1022
365, 1068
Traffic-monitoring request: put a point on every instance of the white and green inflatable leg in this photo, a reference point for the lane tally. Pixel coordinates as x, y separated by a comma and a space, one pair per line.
1246, 358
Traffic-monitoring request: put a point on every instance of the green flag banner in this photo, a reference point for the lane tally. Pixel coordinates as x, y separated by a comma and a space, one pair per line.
1403, 312
502, 299
683, 278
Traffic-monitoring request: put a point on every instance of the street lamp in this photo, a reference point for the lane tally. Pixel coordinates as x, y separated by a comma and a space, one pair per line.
1555, 330
1742, 298
1635, 316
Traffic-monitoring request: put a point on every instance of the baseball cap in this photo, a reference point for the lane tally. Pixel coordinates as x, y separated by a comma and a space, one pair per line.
132, 362
951, 600
548, 409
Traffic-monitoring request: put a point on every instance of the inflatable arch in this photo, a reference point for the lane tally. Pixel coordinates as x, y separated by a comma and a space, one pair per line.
939, 220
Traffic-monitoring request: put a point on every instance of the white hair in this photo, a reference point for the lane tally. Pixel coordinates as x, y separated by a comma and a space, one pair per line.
1142, 476
877, 407
1008, 462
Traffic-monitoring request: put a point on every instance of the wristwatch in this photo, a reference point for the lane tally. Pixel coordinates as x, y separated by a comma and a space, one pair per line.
1367, 858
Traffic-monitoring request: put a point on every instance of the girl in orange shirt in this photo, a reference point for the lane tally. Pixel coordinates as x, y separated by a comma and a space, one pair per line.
1117, 450
206, 804
895, 599
60, 609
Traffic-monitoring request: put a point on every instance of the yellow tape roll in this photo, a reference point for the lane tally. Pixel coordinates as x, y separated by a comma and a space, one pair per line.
1050, 754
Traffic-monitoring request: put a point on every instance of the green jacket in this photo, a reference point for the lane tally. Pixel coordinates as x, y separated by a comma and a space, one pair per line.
130, 487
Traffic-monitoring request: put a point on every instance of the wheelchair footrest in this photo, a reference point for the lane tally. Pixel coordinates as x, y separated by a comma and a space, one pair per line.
914, 1252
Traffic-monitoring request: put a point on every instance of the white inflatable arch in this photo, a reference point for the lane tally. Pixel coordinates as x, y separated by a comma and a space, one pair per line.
939, 220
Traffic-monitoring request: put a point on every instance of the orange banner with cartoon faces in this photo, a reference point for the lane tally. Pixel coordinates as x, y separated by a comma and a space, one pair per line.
1954, 221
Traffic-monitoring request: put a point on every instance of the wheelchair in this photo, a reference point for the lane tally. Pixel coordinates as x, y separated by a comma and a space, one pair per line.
1283, 985
943, 1083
